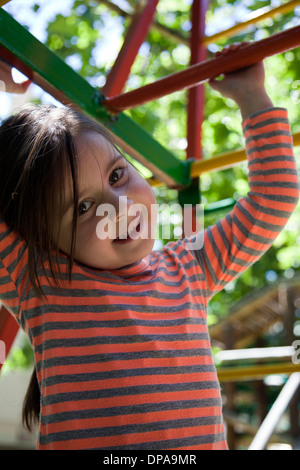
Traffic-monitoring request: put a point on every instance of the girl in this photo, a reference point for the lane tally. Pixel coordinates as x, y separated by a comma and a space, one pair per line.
119, 331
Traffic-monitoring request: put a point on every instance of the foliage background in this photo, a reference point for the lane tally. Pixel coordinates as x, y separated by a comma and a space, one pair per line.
88, 35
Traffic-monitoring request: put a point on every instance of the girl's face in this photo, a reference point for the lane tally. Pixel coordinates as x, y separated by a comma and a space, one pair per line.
105, 176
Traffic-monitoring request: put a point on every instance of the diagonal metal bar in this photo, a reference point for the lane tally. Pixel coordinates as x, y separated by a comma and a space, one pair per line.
8, 329
22, 50
243, 57
256, 17
134, 38
267, 428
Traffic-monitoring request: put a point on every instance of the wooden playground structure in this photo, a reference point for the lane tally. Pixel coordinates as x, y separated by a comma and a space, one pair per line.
244, 327
247, 322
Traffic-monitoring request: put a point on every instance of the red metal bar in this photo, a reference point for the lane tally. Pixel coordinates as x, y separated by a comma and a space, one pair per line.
247, 55
8, 329
134, 38
195, 107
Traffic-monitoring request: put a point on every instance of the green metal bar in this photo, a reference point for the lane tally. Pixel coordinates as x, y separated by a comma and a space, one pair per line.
220, 205
22, 50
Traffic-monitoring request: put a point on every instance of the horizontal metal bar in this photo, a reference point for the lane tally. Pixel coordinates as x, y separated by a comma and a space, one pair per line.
219, 206
236, 374
227, 160
220, 162
255, 353
22, 50
194, 75
255, 18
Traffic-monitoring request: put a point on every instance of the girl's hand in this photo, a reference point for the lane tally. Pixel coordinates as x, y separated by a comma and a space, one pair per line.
7, 83
245, 86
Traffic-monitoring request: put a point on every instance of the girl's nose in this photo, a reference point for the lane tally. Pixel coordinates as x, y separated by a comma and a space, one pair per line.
124, 204
120, 204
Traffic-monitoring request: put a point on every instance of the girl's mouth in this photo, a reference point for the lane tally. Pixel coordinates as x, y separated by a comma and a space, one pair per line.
129, 236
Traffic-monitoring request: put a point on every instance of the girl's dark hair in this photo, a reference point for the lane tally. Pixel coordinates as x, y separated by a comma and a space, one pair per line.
37, 151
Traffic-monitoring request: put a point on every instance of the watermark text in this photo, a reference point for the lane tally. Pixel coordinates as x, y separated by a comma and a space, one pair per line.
139, 221
296, 354
2, 352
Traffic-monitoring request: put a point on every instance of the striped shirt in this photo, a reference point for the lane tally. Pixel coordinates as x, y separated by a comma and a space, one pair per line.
123, 357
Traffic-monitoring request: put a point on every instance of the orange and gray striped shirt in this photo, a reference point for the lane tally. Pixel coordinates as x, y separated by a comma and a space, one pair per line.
123, 357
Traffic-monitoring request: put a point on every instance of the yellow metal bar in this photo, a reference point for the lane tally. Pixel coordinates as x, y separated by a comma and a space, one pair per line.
2, 2
235, 374
221, 162
255, 18
296, 139
225, 160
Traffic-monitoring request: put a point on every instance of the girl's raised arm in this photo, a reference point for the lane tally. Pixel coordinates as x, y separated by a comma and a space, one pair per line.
7, 287
7, 82
239, 239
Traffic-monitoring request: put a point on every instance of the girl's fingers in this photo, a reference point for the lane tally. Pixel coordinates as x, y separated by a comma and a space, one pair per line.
7, 82
232, 47
24, 86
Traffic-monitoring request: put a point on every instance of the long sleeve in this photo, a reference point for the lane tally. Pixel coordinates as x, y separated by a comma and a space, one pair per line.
13, 266
247, 232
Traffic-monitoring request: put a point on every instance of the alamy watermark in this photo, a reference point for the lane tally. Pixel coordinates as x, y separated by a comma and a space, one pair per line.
2, 352
115, 224
296, 354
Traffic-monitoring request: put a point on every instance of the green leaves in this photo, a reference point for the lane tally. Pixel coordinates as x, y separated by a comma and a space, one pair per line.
75, 36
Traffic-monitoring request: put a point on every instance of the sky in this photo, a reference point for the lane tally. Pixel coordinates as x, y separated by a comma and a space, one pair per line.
22, 11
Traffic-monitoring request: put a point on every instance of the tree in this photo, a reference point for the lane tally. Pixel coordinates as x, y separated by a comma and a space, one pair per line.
89, 37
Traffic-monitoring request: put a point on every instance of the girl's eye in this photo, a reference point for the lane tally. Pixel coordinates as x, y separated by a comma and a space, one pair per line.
84, 207
116, 175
